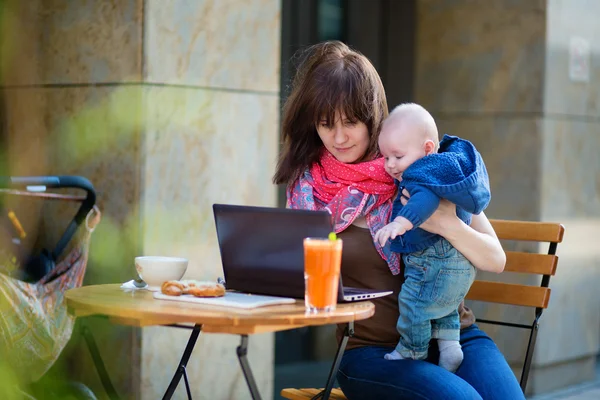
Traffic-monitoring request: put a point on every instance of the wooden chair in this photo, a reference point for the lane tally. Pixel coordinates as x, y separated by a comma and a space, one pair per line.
500, 292
524, 263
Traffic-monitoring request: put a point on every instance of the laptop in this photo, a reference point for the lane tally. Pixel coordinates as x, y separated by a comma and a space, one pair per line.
262, 250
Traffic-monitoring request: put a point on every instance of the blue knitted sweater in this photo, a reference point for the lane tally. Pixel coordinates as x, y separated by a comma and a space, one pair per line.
456, 173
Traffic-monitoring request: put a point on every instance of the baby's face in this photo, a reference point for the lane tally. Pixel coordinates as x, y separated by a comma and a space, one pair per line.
400, 148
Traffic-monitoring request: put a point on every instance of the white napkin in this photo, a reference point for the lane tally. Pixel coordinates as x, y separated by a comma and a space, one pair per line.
131, 286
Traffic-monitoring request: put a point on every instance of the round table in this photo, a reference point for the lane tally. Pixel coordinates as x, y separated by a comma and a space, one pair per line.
140, 308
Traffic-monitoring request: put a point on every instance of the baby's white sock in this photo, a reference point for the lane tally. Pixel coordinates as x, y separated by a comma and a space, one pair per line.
451, 354
394, 355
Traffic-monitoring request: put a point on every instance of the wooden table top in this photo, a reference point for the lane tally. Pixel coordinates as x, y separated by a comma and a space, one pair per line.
140, 308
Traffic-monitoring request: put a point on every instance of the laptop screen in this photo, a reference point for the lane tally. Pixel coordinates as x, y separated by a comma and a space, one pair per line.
261, 247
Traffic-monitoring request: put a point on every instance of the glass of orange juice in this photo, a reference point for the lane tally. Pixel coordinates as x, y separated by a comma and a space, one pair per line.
322, 261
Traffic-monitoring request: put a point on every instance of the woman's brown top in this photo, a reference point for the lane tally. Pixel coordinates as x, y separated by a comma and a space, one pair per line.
363, 267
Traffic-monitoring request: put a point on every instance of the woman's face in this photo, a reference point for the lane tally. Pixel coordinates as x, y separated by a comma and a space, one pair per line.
347, 141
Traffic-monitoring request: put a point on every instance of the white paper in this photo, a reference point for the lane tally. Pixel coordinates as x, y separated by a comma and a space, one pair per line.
231, 299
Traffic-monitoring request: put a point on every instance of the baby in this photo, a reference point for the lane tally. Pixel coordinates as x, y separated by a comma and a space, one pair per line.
437, 276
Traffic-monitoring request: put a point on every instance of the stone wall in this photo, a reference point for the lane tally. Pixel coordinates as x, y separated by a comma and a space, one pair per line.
167, 107
497, 74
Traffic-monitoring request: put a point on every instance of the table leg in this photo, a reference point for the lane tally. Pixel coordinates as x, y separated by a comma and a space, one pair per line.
181, 371
242, 351
93, 348
187, 384
348, 332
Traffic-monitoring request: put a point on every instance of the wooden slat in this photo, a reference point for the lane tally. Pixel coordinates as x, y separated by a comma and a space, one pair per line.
528, 230
311, 391
294, 394
301, 394
508, 293
337, 394
531, 263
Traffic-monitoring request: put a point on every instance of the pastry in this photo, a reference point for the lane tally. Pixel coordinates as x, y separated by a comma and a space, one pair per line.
203, 288
193, 287
172, 288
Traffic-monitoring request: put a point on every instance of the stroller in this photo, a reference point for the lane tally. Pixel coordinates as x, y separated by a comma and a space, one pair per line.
35, 325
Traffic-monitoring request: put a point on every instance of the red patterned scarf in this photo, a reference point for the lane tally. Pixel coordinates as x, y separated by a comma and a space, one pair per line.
331, 176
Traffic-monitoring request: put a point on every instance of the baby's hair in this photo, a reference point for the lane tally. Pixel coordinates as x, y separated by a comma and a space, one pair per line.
418, 116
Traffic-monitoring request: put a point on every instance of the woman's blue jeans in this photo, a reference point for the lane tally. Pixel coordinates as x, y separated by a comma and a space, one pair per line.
483, 374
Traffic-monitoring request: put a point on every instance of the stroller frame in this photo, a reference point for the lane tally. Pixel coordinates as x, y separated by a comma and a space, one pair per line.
8, 185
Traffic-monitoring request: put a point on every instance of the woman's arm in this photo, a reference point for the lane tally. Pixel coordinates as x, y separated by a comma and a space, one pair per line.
477, 242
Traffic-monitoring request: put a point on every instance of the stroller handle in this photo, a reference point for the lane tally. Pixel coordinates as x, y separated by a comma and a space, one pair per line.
58, 182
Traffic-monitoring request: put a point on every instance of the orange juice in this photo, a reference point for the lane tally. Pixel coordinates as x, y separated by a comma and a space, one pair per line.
322, 261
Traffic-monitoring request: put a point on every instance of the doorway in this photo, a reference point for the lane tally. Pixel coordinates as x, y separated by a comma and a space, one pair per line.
384, 31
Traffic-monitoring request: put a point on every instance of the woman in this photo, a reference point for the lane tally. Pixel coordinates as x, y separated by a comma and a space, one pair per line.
331, 123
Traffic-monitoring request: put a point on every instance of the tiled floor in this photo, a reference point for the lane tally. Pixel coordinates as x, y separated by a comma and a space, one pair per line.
584, 391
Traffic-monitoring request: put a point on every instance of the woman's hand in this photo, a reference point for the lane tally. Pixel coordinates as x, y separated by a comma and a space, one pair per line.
478, 242
444, 217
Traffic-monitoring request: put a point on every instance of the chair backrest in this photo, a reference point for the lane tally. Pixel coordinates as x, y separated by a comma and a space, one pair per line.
522, 262
543, 265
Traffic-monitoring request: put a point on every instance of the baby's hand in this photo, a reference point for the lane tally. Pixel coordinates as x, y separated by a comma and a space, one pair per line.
390, 231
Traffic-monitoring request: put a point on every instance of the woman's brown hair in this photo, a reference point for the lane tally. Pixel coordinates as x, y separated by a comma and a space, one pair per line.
331, 78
